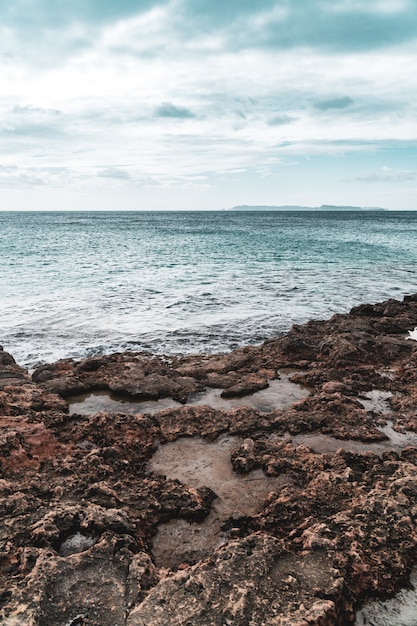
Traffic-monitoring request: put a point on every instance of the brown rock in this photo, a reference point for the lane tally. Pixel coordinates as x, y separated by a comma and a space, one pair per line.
79, 507
10, 372
251, 581
244, 387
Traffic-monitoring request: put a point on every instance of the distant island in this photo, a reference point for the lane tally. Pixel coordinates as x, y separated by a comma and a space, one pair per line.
295, 207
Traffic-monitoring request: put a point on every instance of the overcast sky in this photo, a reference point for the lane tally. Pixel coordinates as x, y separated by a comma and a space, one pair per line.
207, 104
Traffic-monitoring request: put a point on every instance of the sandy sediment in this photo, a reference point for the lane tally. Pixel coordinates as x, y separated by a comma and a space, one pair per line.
86, 497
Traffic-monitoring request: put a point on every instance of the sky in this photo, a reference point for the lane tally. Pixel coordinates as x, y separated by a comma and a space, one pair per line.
207, 104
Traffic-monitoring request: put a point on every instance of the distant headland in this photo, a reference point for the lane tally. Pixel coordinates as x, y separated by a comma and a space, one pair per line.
295, 207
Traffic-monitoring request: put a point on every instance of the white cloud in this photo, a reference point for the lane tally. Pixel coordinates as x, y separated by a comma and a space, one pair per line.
143, 102
114, 172
389, 175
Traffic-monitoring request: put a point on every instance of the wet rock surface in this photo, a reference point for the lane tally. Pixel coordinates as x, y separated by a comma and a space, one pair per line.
81, 504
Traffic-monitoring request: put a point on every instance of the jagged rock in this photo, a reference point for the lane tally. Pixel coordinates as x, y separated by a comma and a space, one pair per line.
80, 508
10, 372
97, 586
244, 387
253, 581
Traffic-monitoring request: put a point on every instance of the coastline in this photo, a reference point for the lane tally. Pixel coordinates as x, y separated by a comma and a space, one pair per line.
341, 528
175, 283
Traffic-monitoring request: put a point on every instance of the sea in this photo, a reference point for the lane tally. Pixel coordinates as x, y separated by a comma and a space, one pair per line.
77, 284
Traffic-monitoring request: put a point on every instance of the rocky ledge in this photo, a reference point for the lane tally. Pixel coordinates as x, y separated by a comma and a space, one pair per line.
81, 506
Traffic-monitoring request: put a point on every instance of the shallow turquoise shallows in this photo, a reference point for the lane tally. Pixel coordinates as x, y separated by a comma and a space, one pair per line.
76, 284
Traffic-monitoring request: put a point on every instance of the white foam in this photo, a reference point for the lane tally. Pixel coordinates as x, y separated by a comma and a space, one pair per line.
401, 610
412, 334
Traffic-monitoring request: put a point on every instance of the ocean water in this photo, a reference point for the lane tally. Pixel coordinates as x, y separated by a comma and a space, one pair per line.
75, 283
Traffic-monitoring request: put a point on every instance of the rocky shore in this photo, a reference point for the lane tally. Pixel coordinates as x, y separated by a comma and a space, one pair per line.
82, 506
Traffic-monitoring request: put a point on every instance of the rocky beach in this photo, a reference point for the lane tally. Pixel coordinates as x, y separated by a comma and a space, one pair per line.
274, 484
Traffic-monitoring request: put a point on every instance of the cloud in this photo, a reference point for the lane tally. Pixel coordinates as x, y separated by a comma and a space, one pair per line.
167, 109
41, 31
114, 172
217, 13
6, 57
281, 120
14, 177
34, 111
46, 14
31, 125
338, 25
333, 103
389, 7
31, 132
388, 175
312, 24
154, 93
31, 29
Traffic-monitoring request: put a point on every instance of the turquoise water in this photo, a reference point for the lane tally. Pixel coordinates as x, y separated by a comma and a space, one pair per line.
76, 284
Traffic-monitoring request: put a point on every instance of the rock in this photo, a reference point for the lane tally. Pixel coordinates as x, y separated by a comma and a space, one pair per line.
10, 372
96, 586
248, 385
80, 508
333, 386
253, 581
192, 421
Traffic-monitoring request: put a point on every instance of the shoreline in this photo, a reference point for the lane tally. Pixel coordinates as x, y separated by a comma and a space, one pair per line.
342, 527
177, 284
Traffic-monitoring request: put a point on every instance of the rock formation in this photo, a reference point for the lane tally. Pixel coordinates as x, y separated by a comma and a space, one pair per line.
80, 507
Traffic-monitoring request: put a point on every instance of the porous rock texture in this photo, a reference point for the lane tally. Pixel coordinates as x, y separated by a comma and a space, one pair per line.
80, 508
